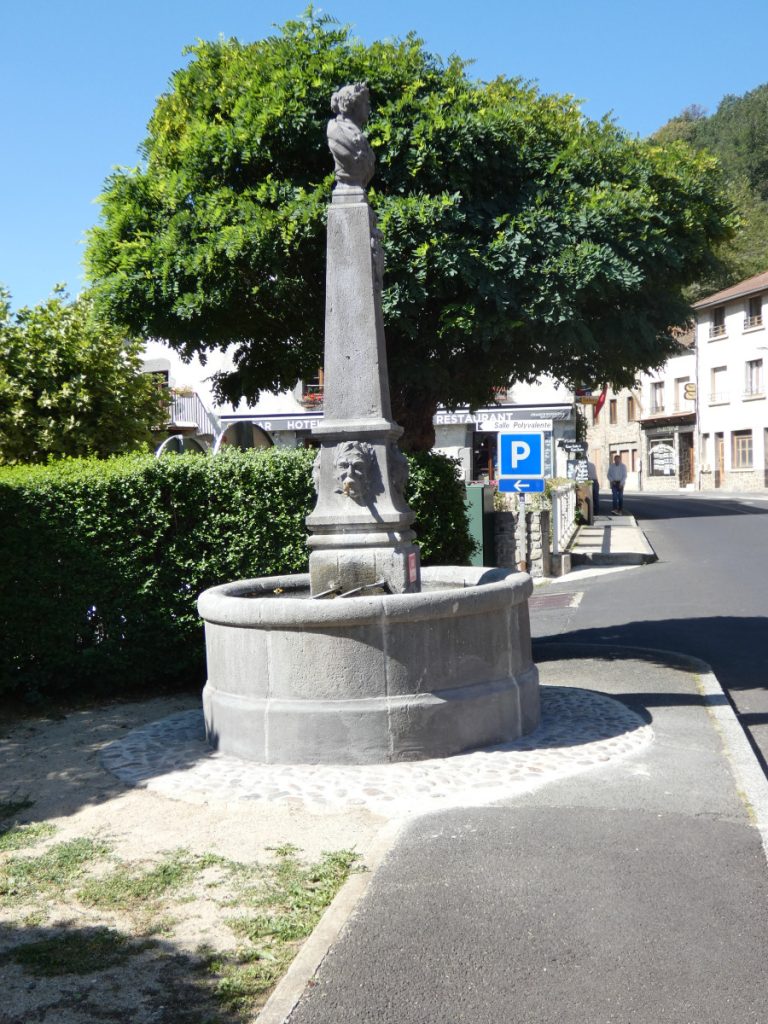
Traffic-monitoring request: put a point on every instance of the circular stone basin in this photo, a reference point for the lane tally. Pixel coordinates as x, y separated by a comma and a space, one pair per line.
365, 680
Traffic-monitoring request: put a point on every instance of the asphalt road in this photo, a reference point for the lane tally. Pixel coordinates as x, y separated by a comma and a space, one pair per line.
706, 596
635, 893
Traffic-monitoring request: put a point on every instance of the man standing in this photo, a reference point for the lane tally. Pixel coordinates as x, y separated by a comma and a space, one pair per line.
617, 477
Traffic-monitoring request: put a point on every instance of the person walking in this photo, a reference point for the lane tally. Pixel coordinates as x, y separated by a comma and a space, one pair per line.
617, 477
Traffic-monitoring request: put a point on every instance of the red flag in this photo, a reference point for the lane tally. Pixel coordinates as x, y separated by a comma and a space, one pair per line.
601, 400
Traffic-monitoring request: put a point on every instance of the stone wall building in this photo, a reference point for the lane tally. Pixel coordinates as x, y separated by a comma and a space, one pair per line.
651, 427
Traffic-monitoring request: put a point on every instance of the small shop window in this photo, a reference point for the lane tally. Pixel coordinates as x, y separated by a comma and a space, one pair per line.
661, 456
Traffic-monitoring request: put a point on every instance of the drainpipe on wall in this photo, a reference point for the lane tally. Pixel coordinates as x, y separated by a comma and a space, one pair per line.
697, 429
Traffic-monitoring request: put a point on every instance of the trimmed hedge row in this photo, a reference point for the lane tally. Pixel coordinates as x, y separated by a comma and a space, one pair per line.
101, 562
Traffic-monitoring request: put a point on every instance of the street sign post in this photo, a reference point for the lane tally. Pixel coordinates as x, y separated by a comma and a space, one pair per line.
521, 462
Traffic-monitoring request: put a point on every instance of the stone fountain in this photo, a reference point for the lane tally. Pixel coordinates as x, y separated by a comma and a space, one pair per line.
368, 657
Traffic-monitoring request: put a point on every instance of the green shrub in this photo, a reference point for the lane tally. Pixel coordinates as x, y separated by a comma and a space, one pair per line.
101, 562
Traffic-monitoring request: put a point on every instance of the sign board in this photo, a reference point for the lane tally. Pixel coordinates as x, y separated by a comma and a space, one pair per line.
689, 392
521, 455
413, 571
662, 459
512, 485
496, 422
578, 470
588, 399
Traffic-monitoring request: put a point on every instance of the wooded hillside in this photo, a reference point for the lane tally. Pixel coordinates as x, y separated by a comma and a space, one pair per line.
737, 133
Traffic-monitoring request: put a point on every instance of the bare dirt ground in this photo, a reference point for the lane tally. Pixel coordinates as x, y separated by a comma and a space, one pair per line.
173, 933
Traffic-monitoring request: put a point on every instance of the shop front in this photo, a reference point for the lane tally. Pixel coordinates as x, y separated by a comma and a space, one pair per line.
668, 456
471, 437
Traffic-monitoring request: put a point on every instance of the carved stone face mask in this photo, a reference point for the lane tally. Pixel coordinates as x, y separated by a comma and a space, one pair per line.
352, 471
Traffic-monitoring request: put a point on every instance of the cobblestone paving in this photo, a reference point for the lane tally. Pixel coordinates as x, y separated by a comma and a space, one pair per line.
580, 730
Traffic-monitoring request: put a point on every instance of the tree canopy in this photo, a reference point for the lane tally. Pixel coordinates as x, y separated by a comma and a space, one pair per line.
521, 238
69, 384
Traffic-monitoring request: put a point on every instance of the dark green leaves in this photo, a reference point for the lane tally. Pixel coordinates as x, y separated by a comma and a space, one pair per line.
520, 237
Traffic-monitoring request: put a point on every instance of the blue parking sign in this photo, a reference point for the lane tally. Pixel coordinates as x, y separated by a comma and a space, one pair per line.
521, 455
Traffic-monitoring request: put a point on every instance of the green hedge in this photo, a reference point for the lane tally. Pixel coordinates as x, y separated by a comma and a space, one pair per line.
101, 562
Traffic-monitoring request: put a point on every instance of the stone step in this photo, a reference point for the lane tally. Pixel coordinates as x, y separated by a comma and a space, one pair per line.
611, 540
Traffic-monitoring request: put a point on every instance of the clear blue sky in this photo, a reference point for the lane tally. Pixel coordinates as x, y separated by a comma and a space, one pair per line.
80, 79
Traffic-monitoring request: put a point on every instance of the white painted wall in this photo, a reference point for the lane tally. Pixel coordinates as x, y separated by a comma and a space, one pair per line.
732, 409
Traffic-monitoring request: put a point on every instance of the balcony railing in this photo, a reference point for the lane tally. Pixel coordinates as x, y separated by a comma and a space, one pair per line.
188, 411
719, 397
717, 331
656, 407
754, 390
312, 396
753, 321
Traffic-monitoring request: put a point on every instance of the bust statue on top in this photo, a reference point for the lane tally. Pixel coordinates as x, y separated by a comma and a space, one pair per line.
351, 151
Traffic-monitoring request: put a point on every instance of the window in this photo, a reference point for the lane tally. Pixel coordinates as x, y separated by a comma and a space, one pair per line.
661, 456
753, 377
718, 389
717, 327
631, 409
741, 454
484, 456
680, 383
312, 391
613, 411
657, 397
754, 315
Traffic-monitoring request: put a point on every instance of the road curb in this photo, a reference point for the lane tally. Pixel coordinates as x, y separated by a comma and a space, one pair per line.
304, 966
750, 780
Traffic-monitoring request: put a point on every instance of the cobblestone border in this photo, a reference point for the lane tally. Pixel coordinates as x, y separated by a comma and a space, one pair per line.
580, 729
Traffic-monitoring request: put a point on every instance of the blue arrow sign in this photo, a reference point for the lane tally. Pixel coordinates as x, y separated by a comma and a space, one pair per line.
517, 486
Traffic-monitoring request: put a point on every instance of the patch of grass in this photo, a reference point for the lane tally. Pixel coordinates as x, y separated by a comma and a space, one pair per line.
93, 949
26, 878
244, 978
18, 836
126, 889
289, 897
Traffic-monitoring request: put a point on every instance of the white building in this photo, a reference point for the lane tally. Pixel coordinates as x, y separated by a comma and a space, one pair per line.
732, 411
286, 418
651, 427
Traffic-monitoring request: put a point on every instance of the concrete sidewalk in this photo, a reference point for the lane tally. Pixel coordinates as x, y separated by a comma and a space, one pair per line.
611, 540
631, 891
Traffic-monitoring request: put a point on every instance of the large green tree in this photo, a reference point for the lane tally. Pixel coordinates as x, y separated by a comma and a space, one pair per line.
70, 384
521, 238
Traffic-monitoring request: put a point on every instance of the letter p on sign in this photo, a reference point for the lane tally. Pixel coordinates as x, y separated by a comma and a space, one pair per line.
521, 454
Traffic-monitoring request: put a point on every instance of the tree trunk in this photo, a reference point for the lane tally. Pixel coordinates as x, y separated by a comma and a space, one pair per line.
414, 410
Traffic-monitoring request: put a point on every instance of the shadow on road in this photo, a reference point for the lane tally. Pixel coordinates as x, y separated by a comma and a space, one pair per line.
650, 507
733, 646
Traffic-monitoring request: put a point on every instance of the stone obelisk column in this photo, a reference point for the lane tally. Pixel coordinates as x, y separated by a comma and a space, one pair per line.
360, 532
